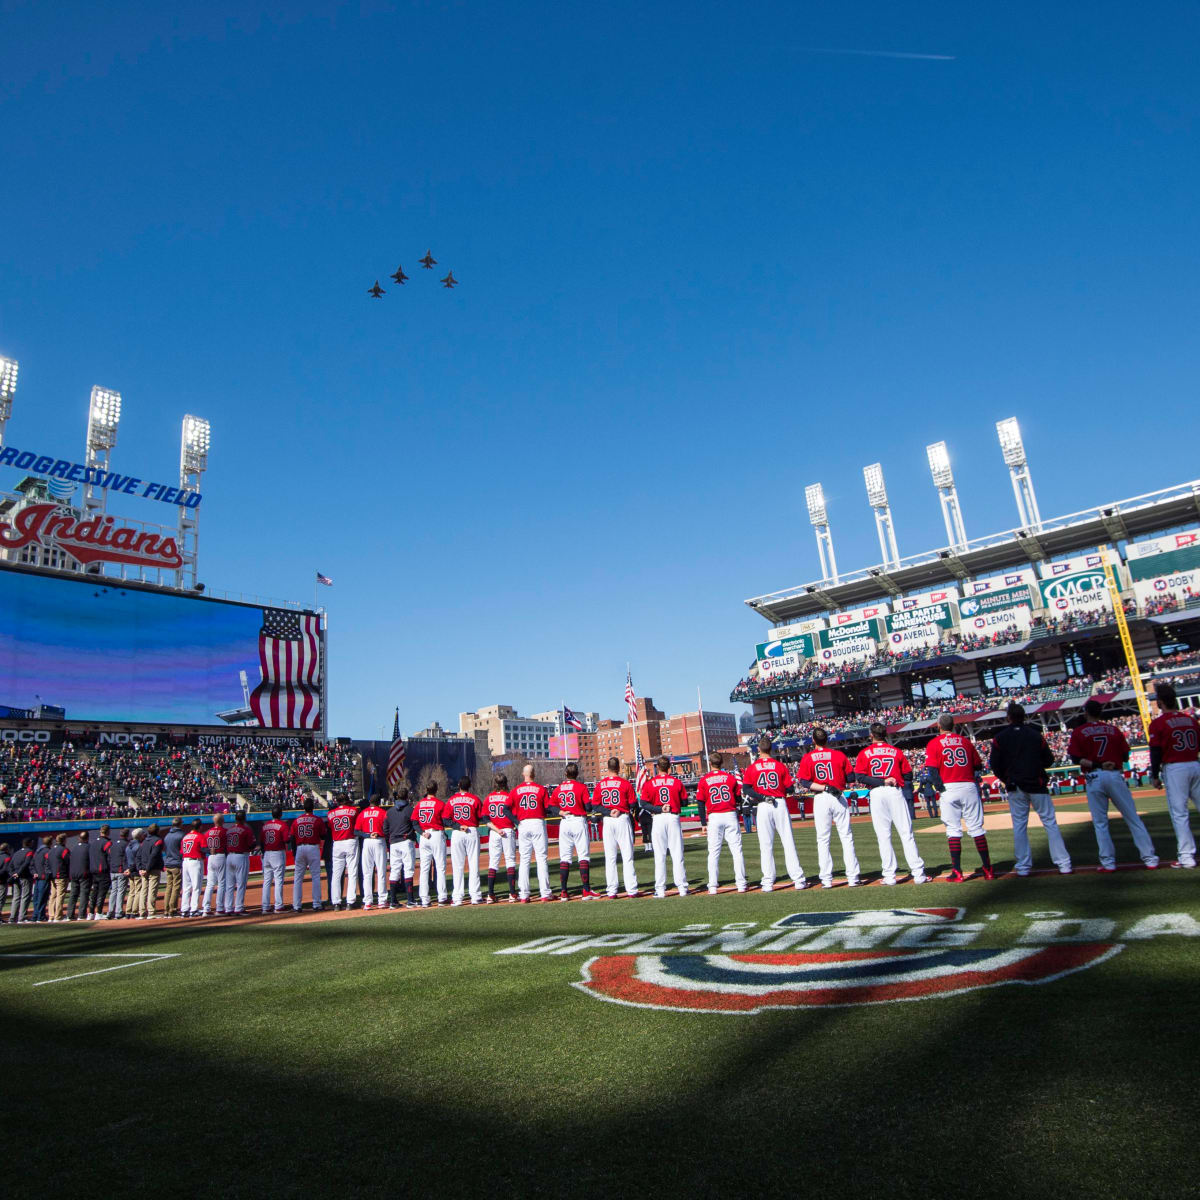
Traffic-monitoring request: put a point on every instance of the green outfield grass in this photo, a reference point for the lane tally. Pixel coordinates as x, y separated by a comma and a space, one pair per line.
394, 1053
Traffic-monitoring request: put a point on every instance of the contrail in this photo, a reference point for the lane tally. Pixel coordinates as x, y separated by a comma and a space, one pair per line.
880, 54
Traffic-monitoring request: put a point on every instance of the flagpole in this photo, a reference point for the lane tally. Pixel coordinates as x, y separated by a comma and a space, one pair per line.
562, 724
703, 731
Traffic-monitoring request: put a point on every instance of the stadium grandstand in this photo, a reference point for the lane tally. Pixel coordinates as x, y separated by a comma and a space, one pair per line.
1028, 615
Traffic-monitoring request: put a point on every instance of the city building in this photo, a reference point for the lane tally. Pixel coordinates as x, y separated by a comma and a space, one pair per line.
589, 720
507, 732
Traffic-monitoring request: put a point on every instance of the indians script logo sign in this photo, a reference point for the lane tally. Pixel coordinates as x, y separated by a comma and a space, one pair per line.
838, 959
96, 539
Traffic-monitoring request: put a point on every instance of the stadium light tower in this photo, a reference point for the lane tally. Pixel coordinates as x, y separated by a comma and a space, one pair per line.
814, 494
1013, 450
104, 415
877, 498
8, 387
193, 460
943, 480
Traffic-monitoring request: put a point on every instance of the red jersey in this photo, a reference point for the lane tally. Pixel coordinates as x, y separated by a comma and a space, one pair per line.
370, 820
274, 835
214, 839
615, 795
308, 830
829, 767
498, 812
192, 845
769, 777
1099, 741
883, 763
341, 822
427, 814
664, 793
718, 791
528, 801
239, 839
464, 809
1177, 735
955, 757
572, 798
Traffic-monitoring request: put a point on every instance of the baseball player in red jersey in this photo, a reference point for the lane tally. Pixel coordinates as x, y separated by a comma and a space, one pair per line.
372, 854
239, 840
427, 817
462, 814
191, 851
825, 772
664, 796
616, 798
273, 836
502, 839
528, 801
1174, 749
341, 821
886, 773
573, 804
214, 850
308, 836
718, 793
954, 765
767, 781
1100, 749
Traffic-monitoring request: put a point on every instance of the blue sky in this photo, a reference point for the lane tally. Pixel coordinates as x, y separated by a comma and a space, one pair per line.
701, 265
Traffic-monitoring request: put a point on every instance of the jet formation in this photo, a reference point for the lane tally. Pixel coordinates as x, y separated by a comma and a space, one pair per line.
427, 263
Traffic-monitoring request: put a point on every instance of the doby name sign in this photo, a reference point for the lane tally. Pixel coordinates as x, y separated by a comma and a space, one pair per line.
839, 959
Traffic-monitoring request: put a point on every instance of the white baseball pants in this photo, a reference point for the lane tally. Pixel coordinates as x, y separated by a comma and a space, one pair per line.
574, 838
667, 835
214, 882
531, 842
503, 844
831, 813
274, 865
725, 827
344, 854
236, 866
1103, 786
1182, 783
774, 818
372, 858
1019, 804
401, 860
308, 860
464, 860
618, 835
433, 853
961, 806
888, 808
193, 872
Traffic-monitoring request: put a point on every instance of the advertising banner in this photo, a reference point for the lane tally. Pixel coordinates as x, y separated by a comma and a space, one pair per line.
1082, 591
988, 602
942, 615
998, 583
855, 615
801, 646
833, 650
986, 623
1160, 558
925, 599
871, 629
1181, 587
913, 637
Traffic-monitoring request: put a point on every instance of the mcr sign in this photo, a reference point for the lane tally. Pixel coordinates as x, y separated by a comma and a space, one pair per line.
96, 539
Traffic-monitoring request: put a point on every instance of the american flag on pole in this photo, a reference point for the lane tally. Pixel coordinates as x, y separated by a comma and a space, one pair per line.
289, 653
395, 765
631, 707
324, 579
571, 720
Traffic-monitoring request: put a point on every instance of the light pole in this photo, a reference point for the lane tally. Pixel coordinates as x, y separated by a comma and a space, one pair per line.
104, 415
193, 459
877, 498
1013, 449
943, 480
814, 495
8, 388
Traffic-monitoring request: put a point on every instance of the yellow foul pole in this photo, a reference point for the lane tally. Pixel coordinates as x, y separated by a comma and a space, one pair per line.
1114, 591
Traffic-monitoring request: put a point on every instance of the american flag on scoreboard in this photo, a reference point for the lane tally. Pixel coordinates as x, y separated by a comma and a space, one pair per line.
289, 653
395, 766
631, 707
571, 720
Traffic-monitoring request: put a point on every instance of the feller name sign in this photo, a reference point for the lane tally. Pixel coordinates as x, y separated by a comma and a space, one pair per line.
96, 539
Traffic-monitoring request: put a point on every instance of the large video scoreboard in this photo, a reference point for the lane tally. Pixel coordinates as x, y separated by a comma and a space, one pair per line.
105, 651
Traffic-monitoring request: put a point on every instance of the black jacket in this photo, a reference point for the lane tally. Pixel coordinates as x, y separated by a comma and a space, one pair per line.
98, 854
116, 855
41, 862
1020, 757
22, 861
150, 854
398, 827
81, 860
58, 861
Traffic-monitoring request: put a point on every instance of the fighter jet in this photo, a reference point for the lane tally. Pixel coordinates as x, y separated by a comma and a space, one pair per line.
375, 291
428, 262
449, 281
398, 275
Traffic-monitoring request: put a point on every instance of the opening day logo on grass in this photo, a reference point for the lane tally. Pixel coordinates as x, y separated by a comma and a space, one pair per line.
838, 959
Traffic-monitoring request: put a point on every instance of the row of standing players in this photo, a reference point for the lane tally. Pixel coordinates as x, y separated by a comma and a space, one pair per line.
392, 848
